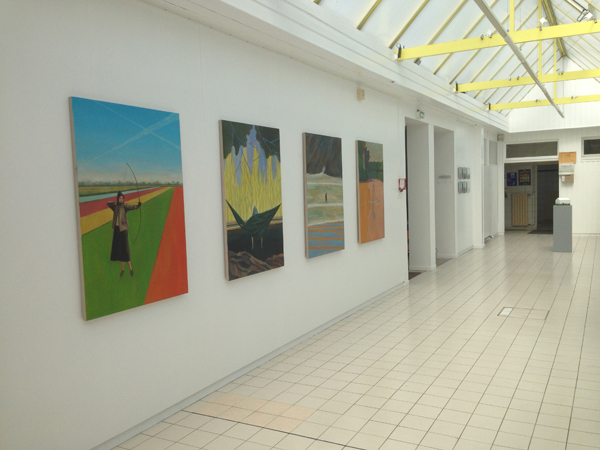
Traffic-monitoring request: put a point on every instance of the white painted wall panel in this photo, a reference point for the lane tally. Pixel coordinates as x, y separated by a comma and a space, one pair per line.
71, 385
445, 194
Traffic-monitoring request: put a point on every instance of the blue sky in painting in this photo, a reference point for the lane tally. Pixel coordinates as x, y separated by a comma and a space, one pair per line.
109, 135
260, 160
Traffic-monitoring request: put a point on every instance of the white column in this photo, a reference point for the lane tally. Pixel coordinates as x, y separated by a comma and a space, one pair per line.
421, 196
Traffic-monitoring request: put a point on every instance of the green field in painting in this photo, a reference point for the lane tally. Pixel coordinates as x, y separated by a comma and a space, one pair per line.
106, 292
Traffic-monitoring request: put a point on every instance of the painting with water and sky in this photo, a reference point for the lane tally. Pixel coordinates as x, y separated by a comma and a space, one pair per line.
130, 202
323, 193
251, 177
370, 191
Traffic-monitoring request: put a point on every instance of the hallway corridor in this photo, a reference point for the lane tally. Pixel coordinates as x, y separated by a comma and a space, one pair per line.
431, 366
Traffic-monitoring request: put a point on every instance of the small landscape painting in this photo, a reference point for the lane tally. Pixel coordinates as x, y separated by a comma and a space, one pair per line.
251, 177
130, 205
324, 194
371, 223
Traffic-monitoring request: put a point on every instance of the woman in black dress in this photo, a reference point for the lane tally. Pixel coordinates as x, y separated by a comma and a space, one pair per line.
120, 241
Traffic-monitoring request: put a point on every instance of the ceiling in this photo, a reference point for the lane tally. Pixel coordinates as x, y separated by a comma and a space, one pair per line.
413, 23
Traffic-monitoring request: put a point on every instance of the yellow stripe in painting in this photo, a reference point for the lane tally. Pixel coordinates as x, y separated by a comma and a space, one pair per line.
97, 219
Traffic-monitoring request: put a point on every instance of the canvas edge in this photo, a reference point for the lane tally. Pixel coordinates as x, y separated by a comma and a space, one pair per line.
185, 228
78, 211
360, 241
222, 162
305, 186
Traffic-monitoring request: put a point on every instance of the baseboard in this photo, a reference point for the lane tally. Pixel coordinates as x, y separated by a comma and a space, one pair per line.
448, 256
586, 234
421, 268
479, 246
468, 249
134, 431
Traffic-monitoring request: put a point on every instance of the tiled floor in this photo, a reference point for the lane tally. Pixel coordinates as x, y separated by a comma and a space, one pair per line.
432, 366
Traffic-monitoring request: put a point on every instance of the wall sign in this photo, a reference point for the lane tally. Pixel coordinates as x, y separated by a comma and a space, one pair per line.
511, 179
525, 177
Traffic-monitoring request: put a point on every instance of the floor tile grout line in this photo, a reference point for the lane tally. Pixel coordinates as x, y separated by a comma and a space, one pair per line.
465, 302
582, 344
529, 359
496, 371
279, 431
547, 382
457, 327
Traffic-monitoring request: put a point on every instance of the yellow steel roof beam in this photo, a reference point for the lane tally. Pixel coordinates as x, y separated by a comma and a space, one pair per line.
552, 20
523, 81
464, 37
558, 101
487, 100
493, 58
450, 19
496, 40
371, 11
408, 24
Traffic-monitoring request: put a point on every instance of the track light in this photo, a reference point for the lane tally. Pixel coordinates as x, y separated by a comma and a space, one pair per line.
543, 23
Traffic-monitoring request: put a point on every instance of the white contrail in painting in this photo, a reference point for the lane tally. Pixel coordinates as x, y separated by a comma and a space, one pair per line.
145, 131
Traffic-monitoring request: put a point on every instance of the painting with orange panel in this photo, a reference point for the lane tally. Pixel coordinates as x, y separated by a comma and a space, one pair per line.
371, 219
130, 203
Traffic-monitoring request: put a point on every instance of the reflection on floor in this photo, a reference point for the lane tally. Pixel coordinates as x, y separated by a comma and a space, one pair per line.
430, 366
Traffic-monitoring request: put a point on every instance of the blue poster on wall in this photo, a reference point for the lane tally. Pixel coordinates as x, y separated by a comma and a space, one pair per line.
511, 179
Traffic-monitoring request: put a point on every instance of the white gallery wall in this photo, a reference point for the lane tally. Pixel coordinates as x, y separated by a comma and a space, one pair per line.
67, 384
584, 192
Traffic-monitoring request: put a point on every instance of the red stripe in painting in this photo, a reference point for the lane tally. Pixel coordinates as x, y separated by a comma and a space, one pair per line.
169, 276
86, 208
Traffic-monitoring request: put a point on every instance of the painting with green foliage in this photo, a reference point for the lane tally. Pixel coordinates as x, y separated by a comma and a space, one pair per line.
369, 164
251, 188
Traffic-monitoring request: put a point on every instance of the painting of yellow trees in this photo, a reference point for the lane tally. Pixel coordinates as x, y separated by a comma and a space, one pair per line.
251, 187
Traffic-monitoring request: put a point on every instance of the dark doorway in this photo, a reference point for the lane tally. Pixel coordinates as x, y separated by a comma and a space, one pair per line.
547, 193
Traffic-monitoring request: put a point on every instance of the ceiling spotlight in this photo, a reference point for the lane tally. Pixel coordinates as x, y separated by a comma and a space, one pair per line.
418, 61
543, 23
585, 16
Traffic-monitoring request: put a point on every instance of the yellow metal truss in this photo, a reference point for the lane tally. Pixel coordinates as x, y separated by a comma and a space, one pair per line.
523, 73
495, 40
552, 20
492, 58
409, 23
464, 37
533, 103
371, 11
524, 81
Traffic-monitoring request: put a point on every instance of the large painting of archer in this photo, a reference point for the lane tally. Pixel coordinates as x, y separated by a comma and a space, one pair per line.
251, 175
131, 215
324, 194
370, 191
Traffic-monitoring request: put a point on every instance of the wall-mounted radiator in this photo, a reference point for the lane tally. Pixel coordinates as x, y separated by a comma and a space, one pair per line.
520, 215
